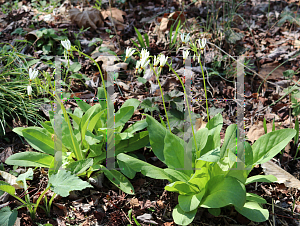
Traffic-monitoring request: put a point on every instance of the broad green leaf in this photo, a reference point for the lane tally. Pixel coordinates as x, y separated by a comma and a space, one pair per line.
38, 138
8, 217
224, 191
269, 145
183, 218
201, 138
201, 175
190, 202
83, 105
214, 211
34, 159
126, 170
139, 140
80, 166
182, 188
143, 167
253, 211
7, 188
261, 178
63, 182
139, 125
230, 139
76, 66
85, 120
157, 134
174, 153
123, 115
177, 175
211, 156
119, 180
255, 198
131, 102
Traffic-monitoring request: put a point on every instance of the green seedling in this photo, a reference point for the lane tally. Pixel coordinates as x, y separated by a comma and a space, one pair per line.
143, 44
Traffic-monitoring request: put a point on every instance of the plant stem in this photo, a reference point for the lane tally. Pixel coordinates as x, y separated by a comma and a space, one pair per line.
162, 95
204, 90
39, 200
186, 104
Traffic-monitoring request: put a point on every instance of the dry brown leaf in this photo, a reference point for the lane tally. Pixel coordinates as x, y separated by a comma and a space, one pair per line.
169, 19
134, 202
270, 168
267, 68
114, 13
200, 124
256, 131
88, 18
12, 180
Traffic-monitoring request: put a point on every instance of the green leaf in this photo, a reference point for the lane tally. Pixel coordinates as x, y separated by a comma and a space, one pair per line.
182, 188
119, 180
253, 211
34, 159
146, 39
230, 139
261, 178
139, 140
190, 202
38, 138
177, 175
8, 217
157, 134
174, 152
269, 145
80, 166
7, 188
75, 67
143, 167
211, 156
224, 191
139, 125
201, 138
122, 116
25, 176
63, 182
183, 218
255, 198
214, 211
140, 38
126, 170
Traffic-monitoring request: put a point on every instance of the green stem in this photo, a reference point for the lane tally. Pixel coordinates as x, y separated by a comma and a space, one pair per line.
162, 95
204, 90
39, 200
186, 97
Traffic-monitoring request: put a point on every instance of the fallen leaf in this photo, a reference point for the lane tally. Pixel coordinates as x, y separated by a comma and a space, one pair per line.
270, 168
134, 202
88, 18
114, 13
171, 18
12, 180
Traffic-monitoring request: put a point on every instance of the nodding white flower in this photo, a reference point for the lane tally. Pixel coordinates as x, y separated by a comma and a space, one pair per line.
185, 39
137, 66
145, 54
129, 52
29, 90
163, 60
33, 74
66, 44
185, 54
156, 61
202, 43
144, 63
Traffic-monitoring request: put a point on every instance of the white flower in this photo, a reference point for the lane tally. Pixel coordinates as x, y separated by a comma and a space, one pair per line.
29, 90
33, 74
185, 54
145, 54
202, 43
137, 66
129, 52
163, 60
184, 39
194, 57
156, 61
144, 63
66, 44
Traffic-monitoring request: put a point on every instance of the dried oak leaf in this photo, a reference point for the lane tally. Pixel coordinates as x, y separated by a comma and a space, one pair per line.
169, 19
88, 18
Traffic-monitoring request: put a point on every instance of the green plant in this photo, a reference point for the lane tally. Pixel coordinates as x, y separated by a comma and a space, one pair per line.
206, 174
47, 41
289, 16
60, 183
84, 146
19, 31
143, 44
